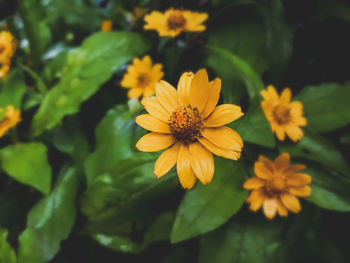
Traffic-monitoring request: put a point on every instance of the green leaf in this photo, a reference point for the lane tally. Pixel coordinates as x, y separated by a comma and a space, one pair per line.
245, 39
326, 106
28, 164
243, 242
50, 221
114, 140
7, 254
329, 189
254, 128
12, 91
317, 148
86, 69
251, 79
125, 193
207, 207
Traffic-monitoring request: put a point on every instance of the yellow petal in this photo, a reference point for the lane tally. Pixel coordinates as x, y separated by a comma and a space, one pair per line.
300, 191
153, 106
296, 168
262, 171
199, 90
183, 88
135, 93
148, 122
280, 133
153, 142
298, 179
222, 115
291, 202
256, 199
270, 93
184, 169
281, 209
268, 163
294, 132
213, 96
286, 95
270, 208
282, 162
202, 162
253, 183
223, 137
167, 96
166, 160
233, 155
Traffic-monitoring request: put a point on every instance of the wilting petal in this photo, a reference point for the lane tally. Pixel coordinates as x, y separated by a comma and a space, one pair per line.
282, 161
270, 208
153, 142
166, 160
233, 155
148, 122
223, 137
184, 169
300, 191
262, 171
199, 90
222, 115
213, 96
291, 202
202, 162
153, 106
167, 96
253, 183
183, 88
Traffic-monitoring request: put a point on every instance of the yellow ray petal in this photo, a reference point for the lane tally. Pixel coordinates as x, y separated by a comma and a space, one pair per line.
286, 95
270, 208
268, 163
300, 191
291, 202
135, 93
223, 137
280, 133
294, 132
183, 88
281, 209
298, 179
296, 168
184, 169
222, 115
199, 90
166, 160
233, 155
167, 96
213, 96
148, 122
153, 142
256, 199
262, 171
282, 161
253, 183
202, 162
270, 93
153, 106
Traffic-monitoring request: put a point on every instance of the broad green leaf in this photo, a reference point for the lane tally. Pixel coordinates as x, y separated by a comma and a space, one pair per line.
326, 106
28, 164
50, 221
126, 192
244, 242
207, 207
329, 189
7, 254
251, 79
245, 39
254, 128
114, 141
12, 91
317, 148
86, 69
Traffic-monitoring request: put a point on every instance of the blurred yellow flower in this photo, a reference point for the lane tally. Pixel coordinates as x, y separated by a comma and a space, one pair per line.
285, 116
11, 118
137, 12
174, 21
276, 186
188, 123
8, 46
106, 25
4, 70
141, 77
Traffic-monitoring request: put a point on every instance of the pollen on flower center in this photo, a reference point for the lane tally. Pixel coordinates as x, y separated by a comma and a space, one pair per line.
143, 80
282, 114
276, 185
186, 123
176, 20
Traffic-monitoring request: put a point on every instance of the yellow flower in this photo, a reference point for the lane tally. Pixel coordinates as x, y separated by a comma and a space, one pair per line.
4, 70
106, 26
8, 46
276, 186
141, 77
285, 116
188, 123
11, 118
174, 21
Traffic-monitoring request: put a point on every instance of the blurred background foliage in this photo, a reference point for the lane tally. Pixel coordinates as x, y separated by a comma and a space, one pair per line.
73, 187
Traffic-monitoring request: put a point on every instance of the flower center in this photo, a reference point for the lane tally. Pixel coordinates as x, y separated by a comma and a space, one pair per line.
2, 48
276, 185
176, 20
282, 114
186, 123
143, 80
